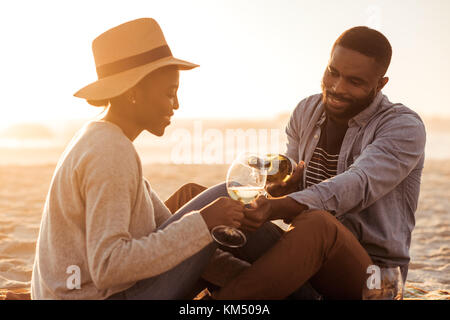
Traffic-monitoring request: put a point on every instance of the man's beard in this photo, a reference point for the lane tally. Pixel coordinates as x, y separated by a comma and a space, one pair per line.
355, 106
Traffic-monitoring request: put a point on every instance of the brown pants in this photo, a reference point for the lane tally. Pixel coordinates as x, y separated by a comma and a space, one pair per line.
317, 248
183, 196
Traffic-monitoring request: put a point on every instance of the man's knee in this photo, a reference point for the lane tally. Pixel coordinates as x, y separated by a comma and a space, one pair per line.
319, 219
192, 188
183, 195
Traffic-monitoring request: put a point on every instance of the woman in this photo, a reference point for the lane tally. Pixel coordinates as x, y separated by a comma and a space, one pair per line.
104, 233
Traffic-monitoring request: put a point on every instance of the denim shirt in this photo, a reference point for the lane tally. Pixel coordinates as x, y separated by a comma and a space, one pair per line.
376, 189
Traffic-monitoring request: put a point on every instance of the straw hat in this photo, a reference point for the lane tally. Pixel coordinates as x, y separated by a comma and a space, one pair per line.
126, 54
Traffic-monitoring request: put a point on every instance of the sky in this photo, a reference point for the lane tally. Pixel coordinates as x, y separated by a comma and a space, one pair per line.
257, 58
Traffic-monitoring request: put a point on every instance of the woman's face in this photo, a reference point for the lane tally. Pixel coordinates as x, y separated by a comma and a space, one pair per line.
156, 99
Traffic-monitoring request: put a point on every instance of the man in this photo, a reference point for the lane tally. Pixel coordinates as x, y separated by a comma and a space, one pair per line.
354, 204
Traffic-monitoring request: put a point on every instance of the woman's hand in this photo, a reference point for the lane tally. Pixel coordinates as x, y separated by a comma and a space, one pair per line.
223, 211
279, 189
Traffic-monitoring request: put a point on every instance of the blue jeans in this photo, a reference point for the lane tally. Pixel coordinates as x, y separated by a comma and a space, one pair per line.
177, 282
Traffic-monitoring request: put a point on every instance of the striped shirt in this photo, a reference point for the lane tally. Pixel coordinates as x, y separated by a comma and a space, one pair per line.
323, 163
322, 166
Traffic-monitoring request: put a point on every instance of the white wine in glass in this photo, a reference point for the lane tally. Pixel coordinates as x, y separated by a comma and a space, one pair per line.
245, 183
245, 194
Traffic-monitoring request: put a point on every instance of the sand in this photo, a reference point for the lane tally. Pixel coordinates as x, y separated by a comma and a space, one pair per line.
23, 190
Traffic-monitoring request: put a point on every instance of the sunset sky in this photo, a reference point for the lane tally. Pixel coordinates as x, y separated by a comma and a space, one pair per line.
257, 58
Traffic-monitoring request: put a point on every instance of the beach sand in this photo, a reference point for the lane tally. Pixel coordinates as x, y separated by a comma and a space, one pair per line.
23, 190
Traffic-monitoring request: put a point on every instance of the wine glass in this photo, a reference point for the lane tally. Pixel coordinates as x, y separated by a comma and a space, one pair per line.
246, 179
385, 283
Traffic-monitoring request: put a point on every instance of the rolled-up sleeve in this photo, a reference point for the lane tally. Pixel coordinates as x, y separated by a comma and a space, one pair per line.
395, 151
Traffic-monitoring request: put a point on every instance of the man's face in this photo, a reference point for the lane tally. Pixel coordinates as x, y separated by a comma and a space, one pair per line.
350, 83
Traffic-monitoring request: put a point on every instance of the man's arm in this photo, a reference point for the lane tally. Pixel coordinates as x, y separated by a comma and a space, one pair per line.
397, 148
285, 208
263, 209
292, 134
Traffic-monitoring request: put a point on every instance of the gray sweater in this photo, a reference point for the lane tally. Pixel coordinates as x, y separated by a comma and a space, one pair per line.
99, 220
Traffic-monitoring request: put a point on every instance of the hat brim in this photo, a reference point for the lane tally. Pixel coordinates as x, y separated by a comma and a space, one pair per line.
117, 84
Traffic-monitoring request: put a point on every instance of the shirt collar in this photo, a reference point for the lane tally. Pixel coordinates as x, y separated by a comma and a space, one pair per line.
361, 118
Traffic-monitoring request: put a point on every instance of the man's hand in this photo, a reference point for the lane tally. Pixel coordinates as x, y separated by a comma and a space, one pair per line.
262, 210
257, 214
290, 185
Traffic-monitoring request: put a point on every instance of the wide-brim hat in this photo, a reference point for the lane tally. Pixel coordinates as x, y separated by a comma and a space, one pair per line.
125, 54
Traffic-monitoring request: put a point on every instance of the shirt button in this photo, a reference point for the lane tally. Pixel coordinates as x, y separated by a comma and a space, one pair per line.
316, 136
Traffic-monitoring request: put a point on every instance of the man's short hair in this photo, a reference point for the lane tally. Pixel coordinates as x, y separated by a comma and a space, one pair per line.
368, 42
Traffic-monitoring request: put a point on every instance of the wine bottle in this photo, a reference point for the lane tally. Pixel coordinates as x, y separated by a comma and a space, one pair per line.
280, 168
